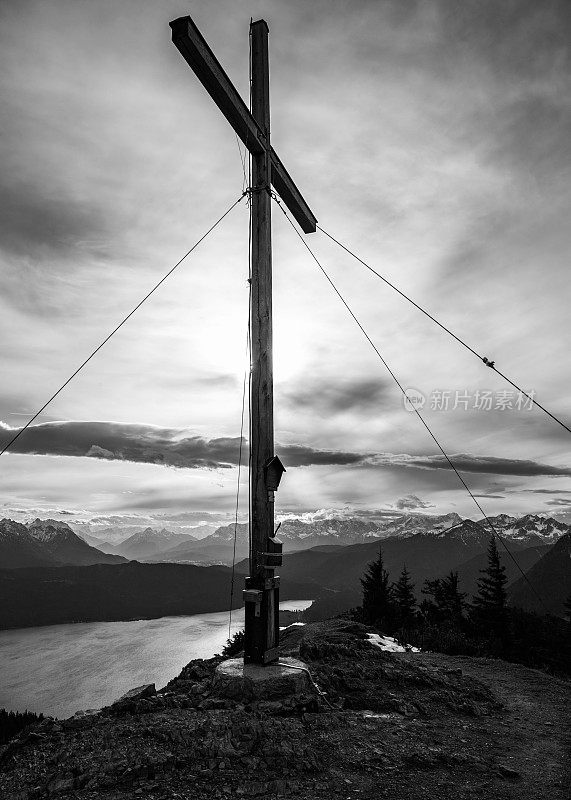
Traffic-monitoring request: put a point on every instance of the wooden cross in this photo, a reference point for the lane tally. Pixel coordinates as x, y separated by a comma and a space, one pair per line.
261, 594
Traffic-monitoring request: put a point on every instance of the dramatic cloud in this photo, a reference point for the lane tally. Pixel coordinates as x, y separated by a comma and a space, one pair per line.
174, 447
464, 462
152, 445
450, 175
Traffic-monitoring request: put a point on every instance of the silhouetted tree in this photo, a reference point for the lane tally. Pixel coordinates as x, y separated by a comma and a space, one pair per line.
12, 722
233, 646
404, 599
568, 607
448, 602
377, 608
489, 605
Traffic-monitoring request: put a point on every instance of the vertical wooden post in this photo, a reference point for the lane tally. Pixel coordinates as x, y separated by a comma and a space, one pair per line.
261, 595
261, 623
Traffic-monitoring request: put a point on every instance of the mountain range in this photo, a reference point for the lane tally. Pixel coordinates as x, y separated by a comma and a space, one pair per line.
49, 541
325, 557
299, 535
296, 534
44, 543
428, 555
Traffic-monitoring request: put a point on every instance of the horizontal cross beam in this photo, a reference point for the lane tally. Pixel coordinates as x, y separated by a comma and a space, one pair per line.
291, 195
200, 58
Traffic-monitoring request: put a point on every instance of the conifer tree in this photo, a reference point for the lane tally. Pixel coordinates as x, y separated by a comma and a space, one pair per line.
448, 602
453, 600
404, 599
377, 594
489, 605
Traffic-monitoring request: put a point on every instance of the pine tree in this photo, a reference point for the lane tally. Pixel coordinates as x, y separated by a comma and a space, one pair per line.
234, 646
489, 605
404, 599
453, 599
448, 602
568, 607
377, 594
12, 722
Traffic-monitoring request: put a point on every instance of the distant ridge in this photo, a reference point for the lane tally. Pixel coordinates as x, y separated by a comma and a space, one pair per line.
551, 578
299, 535
107, 592
44, 543
18, 548
150, 542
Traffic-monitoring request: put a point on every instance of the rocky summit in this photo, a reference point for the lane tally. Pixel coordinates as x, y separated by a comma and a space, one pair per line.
374, 724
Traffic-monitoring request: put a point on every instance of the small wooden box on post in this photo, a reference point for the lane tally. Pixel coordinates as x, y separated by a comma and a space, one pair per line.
261, 594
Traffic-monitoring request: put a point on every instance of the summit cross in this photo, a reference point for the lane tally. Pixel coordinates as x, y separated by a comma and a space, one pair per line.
252, 126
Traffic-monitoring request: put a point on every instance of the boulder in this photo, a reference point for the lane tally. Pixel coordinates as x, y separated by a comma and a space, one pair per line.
249, 682
138, 693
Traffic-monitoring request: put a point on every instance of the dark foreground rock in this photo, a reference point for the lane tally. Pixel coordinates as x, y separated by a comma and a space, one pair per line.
375, 725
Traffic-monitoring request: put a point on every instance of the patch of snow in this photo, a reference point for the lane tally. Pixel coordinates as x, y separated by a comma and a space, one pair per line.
293, 625
372, 715
389, 644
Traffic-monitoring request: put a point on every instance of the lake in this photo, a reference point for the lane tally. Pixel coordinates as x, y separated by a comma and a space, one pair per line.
61, 669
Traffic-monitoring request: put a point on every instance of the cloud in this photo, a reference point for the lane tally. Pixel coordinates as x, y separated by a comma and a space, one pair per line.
174, 447
547, 491
465, 462
339, 396
32, 221
296, 455
412, 502
558, 501
149, 444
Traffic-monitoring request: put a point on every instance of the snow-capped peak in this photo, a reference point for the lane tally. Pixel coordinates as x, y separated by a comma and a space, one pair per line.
48, 530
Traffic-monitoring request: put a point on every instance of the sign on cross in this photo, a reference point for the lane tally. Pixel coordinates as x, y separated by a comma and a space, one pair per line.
261, 594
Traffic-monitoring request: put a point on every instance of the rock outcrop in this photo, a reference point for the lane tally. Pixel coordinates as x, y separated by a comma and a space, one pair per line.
407, 724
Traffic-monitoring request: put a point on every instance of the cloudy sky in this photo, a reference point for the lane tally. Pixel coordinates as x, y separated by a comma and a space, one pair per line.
432, 137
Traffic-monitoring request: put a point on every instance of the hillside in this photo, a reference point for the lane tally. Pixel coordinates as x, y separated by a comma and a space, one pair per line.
470, 572
47, 596
417, 726
551, 579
